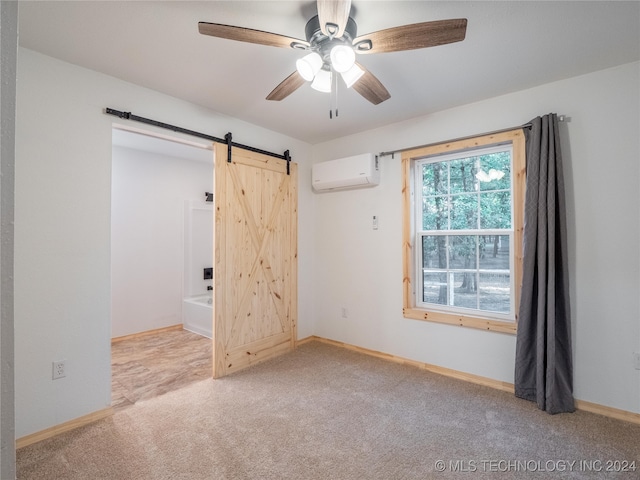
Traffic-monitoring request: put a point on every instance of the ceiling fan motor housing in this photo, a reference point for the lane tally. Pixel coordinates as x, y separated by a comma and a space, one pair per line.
321, 43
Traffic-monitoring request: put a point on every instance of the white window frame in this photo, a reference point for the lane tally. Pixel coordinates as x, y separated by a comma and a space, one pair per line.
413, 307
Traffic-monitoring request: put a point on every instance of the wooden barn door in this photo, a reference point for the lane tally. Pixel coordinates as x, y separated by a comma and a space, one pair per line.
255, 307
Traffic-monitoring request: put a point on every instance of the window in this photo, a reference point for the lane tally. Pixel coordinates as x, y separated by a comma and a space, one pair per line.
463, 211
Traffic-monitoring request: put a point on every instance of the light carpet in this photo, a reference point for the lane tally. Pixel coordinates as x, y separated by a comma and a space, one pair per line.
323, 412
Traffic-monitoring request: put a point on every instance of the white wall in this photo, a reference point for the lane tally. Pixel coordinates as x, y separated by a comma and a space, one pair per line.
62, 228
360, 269
62, 234
147, 233
198, 247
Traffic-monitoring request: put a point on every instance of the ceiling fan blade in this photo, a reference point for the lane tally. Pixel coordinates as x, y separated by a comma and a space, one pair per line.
333, 16
249, 35
371, 88
287, 87
410, 37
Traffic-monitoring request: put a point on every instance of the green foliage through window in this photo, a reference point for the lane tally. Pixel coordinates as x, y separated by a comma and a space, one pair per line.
466, 229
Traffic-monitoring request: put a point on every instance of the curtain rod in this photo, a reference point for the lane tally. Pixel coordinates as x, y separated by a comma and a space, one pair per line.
561, 118
193, 133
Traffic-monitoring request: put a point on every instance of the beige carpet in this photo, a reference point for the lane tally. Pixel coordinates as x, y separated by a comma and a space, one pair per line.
323, 412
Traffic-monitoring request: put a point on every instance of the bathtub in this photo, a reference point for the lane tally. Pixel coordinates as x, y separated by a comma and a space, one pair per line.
197, 315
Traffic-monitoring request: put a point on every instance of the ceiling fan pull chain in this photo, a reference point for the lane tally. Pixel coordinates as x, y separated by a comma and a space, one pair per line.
336, 85
331, 93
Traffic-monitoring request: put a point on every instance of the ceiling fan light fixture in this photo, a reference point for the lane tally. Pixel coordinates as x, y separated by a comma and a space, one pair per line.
352, 75
331, 44
309, 66
342, 58
322, 81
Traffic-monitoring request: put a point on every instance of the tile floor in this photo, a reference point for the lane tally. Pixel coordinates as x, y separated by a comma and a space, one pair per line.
151, 365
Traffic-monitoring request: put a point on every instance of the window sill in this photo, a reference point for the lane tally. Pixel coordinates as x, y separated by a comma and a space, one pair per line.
460, 320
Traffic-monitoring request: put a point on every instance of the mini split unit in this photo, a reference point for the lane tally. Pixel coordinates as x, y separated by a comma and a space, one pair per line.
350, 172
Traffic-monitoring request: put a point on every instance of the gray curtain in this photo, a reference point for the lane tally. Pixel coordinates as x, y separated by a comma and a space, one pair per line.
543, 369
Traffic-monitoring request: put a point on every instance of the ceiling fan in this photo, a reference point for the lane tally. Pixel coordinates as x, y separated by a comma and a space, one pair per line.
332, 44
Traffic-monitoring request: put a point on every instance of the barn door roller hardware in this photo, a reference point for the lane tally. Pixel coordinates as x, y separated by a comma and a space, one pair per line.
227, 137
193, 133
288, 159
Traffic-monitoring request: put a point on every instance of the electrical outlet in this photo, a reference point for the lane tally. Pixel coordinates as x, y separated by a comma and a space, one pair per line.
59, 369
636, 360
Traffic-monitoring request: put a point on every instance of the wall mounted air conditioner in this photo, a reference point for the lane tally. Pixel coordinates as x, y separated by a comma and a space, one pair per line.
350, 172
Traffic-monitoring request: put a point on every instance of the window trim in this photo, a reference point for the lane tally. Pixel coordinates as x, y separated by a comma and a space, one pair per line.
410, 310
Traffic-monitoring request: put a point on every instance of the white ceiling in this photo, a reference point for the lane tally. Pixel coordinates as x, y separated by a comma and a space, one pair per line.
509, 46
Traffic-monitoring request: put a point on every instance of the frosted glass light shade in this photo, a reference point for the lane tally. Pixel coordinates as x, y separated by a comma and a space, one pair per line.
352, 75
342, 58
322, 82
309, 65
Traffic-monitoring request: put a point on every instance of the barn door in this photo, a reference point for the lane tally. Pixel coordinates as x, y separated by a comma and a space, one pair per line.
255, 308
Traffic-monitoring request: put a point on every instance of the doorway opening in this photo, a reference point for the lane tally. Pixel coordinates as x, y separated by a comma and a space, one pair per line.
161, 244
